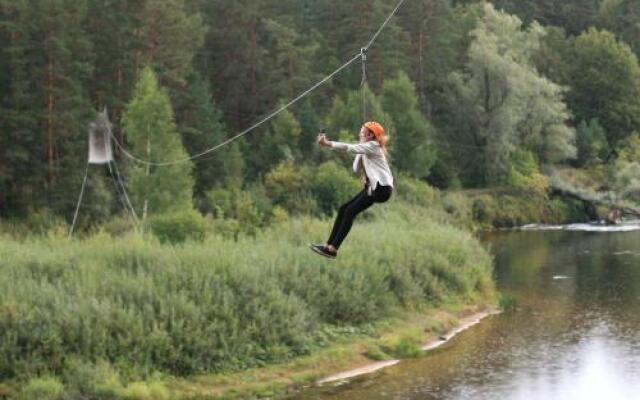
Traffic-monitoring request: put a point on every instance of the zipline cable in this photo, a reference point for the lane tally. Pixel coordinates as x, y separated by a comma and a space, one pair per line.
361, 55
244, 132
75, 216
373, 39
363, 83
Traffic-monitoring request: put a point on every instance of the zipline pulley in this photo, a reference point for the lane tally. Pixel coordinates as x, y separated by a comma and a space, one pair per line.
363, 82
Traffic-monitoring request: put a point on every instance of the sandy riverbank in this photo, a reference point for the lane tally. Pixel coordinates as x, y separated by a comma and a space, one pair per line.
464, 324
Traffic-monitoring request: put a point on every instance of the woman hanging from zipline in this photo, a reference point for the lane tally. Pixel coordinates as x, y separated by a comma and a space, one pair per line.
371, 162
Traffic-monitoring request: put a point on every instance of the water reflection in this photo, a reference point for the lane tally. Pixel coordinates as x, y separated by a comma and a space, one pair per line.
577, 337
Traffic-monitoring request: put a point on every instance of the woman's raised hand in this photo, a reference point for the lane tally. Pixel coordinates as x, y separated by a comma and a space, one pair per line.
323, 141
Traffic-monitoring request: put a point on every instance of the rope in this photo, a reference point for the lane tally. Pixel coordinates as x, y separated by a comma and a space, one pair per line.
115, 184
363, 83
126, 195
373, 39
233, 138
361, 55
75, 216
122, 192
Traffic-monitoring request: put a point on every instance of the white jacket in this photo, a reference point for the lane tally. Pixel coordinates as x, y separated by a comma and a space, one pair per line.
373, 159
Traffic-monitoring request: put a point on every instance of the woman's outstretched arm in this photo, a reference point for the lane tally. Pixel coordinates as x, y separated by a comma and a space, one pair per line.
370, 147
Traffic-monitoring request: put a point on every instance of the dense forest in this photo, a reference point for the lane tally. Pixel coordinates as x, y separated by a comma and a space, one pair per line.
473, 95
499, 114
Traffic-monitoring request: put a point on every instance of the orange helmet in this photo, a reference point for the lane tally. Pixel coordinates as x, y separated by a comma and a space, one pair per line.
376, 129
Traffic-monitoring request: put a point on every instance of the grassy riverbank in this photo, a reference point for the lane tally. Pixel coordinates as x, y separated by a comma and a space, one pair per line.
397, 337
96, 317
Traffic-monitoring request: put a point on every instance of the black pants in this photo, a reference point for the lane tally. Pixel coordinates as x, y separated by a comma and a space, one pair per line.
348, 211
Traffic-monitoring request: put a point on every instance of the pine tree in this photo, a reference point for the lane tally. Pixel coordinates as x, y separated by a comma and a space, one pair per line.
5, 173
279, 144
231, 58
46, 105
22, 166
151, 131
112, 25
347, 113
202, 128
169, 38
310, 126
390, 52
426, 22
255, 57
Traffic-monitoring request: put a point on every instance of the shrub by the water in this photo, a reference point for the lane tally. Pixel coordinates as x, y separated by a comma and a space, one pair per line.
507, 303
500, 208
222, 304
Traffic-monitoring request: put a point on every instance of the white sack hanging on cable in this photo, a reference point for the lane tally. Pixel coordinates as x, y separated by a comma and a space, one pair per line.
100, 151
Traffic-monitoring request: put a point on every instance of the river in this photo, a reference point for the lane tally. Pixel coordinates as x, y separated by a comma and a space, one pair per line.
576, 334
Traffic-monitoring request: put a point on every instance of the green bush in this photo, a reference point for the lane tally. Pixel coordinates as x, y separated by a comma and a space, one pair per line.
247, 213
278, 215
221, 202
591, 142
458, 205
248, 207
374, 352
119, 225
407, 345
261, 202
483, 209
145, 391
283, 181
43, 221
414, 191
333, 185
86, 379
407, 348
524, 173
515, 211
578, 211
507, 303
44, 388
177, 227
227, 228
288, 185
443, 176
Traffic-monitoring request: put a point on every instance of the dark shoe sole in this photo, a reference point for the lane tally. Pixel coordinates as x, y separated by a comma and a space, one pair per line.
319, 250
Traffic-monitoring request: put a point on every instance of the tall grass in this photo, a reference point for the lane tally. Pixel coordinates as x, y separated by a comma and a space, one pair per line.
141, 306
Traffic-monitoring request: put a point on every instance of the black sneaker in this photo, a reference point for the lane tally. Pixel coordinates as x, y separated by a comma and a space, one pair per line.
323, 251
